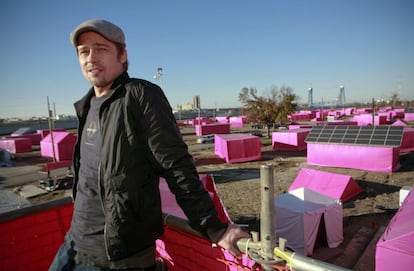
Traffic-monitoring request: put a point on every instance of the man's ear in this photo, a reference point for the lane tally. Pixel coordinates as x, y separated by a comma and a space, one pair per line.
124, 56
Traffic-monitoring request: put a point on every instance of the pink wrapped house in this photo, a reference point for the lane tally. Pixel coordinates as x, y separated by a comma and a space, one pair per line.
213, 128
395, 249
290, 140
63, 145
235, 148
16, 145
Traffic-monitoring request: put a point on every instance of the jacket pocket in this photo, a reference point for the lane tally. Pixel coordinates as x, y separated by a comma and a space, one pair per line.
134, 196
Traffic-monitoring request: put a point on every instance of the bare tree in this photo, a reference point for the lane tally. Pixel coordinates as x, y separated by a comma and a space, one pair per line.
272, 108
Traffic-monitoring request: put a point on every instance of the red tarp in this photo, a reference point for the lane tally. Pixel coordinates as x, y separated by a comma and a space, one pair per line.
337, 186
235, 148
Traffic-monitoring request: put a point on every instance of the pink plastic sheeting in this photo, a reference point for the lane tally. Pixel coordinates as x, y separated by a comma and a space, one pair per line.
170, 206
235, 122
407, 143
341, 122
235, 148
44, 133
63, 145
409, 116
199, 121
214, 128
222, 119
399, 122
378, 159
290, 140
398, 113
366, 119
299, 216
305, 116
16, 145
337, 186
186, 252
35, 138
395, 248
299, 126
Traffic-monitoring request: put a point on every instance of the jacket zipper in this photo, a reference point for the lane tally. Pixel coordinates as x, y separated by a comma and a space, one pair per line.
103, 209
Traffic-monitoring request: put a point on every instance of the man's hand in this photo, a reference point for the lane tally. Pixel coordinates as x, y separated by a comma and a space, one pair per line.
230, 237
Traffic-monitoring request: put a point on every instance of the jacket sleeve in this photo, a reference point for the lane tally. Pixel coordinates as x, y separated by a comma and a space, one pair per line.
174, 162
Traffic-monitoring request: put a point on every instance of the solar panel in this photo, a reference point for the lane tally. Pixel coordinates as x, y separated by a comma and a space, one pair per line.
382, 135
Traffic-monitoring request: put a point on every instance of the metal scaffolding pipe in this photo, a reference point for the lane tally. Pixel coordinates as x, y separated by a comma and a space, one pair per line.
299, 262
267, 214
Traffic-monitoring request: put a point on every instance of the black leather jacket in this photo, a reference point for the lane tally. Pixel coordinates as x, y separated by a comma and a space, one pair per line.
141, 142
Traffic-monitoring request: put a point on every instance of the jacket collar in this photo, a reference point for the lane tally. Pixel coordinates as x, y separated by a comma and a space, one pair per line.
82, 105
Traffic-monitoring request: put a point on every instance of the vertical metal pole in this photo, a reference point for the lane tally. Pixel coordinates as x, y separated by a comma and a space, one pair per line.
51, 129
267, 214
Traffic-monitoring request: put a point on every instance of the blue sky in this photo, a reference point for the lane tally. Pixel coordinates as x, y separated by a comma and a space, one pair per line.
213, 49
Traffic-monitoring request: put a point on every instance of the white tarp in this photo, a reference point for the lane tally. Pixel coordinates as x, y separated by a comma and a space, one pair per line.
299, 215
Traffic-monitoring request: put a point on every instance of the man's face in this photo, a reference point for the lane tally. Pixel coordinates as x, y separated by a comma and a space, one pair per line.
99, 60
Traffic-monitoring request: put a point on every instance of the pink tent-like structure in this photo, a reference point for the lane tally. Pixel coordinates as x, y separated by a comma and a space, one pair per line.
235, 148
16, 145
63, 143
371, 158
34, 138
235, 122
409, 116
45, 132
213, 128
407, 143
395, 248
300, 215
337, 186
290, 140
372, 148
366, 119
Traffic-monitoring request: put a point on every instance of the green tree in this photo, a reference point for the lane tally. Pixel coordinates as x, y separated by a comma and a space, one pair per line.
272, 108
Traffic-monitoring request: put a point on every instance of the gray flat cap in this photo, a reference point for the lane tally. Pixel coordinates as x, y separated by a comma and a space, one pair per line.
105, 28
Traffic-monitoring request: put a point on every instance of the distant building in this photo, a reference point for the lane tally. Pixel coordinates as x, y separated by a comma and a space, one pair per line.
196, 102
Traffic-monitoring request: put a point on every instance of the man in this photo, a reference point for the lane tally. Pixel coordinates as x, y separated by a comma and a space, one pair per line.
127, 139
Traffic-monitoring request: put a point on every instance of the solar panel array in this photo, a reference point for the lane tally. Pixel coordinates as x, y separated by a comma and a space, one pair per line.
382, 135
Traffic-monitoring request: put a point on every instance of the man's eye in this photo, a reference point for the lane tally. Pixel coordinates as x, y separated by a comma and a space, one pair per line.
102, 49
83, 52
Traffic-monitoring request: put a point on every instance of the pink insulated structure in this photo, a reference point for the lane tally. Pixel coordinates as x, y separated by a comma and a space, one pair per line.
63, 143
235, 148
16, 145
301, 213
213, 128
290, 140
337, 186
395, 248
372, 148
377, 159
